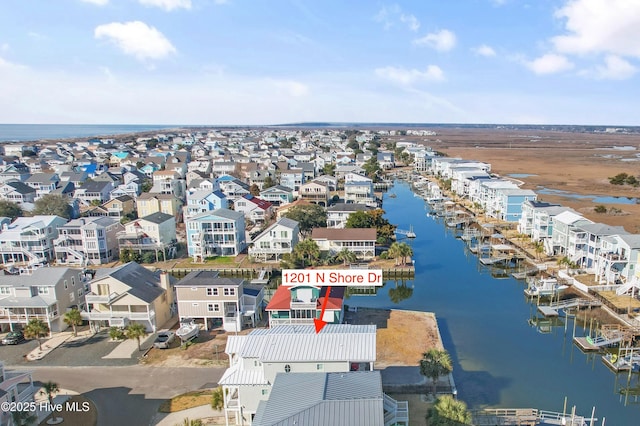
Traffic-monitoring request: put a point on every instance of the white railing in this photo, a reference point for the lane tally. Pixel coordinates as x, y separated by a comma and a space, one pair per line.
290, 321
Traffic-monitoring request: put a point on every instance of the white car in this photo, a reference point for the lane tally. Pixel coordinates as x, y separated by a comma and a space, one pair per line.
164, 339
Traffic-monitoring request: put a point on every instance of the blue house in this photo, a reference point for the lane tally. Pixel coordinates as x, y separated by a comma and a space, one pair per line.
217, 233
509, 201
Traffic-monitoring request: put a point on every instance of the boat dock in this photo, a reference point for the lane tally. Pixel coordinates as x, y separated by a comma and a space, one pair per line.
527, 417
553, 308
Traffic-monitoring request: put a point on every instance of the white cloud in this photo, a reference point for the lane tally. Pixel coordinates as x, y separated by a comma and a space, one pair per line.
600, 26
550, 63
96, 2
484, 50
5, 47
167, 5
615, 68
292, 88
408, 76
411, 21
136, 39
441, 41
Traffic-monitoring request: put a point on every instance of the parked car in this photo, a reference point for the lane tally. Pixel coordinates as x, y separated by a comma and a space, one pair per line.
164, 339
13, 338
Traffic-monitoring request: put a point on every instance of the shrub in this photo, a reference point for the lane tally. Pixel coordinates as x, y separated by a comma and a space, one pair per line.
600, 209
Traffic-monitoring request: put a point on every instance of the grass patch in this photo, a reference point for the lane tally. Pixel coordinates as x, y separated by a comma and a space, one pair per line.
186, 400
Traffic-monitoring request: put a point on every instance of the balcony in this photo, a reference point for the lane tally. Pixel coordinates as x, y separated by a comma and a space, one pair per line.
290, 321
101, 299
300, 304
112, 316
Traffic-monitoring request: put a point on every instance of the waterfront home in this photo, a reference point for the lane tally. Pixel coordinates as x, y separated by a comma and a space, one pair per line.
303, 303
489, 195
208, 298
256, 358
17, 192
359, 189
277, 195
278, 239
129, 294
87, 241
537, 220
463, 176
337, 214
148, 203
255, 210
217, 233
565, 231
360, 241
155, 232
15, 387
386, 160
508, 203
45, 294
30, 239
593, 233
617, 262
355, 398
315, 192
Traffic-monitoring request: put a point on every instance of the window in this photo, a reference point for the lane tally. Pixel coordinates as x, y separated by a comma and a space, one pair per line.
80, 293
212, 292
287, 368
66, 286
210, 307
229, 291
265, 391
73, 281
319, 367
5, 290
72, 297
43, 290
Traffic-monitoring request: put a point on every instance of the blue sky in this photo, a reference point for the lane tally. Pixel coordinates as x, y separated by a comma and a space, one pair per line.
282, 61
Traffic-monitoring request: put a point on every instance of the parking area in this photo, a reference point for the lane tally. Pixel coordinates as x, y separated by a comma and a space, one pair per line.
74, 352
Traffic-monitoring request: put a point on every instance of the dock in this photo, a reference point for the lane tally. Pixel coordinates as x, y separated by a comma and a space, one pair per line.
527, 417
554, 308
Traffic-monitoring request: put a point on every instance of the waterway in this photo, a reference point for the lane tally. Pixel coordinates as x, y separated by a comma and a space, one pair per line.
499, 359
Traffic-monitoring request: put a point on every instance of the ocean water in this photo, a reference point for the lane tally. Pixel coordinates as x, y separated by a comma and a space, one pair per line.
35, 132
501, 357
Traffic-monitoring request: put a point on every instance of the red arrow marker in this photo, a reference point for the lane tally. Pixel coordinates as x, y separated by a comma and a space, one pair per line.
319, 323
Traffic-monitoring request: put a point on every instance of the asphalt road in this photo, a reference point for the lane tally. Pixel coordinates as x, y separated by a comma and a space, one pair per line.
129, 395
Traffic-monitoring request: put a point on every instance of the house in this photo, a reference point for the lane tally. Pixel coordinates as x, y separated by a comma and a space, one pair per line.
208, 298
337, 214
315, 192
77, 178
537, 221
217, 233
87, 241
564, 229
256, 358
233, 188
155, 232
17, 192
45, 293
254, 209
304, 303
168, 182
277, 195
43, 183
330, 181
386, 160
30, 239
120, 207
508, 206
147, 204
15, 387
360, 241
94, 192
353, 398
203, 200
129, 294
292, 178
359, 189
278, 239
618, 262
17, 171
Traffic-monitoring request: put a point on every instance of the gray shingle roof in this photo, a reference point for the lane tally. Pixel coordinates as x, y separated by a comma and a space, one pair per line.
207, 278
157, 217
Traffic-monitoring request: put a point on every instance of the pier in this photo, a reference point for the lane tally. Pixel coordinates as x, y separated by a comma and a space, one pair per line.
527, 417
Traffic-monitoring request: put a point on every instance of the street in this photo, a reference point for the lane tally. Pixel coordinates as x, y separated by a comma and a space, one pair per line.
128, 395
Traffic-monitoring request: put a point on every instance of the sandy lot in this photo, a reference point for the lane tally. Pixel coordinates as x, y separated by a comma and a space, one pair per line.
579, 163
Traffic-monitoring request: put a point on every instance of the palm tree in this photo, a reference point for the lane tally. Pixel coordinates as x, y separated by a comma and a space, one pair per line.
405, 251
346, 256
307, 249
74, 319
395, 251
435, 363
538, 246
50, 388
448, 411
136, 331
36, 329
217, 399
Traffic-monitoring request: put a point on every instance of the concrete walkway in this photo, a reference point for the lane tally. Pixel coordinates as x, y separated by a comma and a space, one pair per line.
58, 339
204, 412
129, 346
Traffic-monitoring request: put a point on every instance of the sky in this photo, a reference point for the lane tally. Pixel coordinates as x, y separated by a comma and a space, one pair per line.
259, 62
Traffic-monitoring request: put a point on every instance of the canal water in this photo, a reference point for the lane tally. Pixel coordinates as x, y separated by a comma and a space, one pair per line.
500, 359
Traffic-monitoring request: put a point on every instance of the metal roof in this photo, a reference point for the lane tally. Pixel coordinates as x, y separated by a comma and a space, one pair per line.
301, 343
236, 376
336, 399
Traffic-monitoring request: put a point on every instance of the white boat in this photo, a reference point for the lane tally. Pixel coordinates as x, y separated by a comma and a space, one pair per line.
188, 329
410, 233
544, 287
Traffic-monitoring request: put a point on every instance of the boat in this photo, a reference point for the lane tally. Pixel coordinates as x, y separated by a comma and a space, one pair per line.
544, 287
410, 233
188, 329
392, 195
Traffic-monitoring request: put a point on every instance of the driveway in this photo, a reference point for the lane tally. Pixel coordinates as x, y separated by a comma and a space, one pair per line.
88, 352
129, 395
